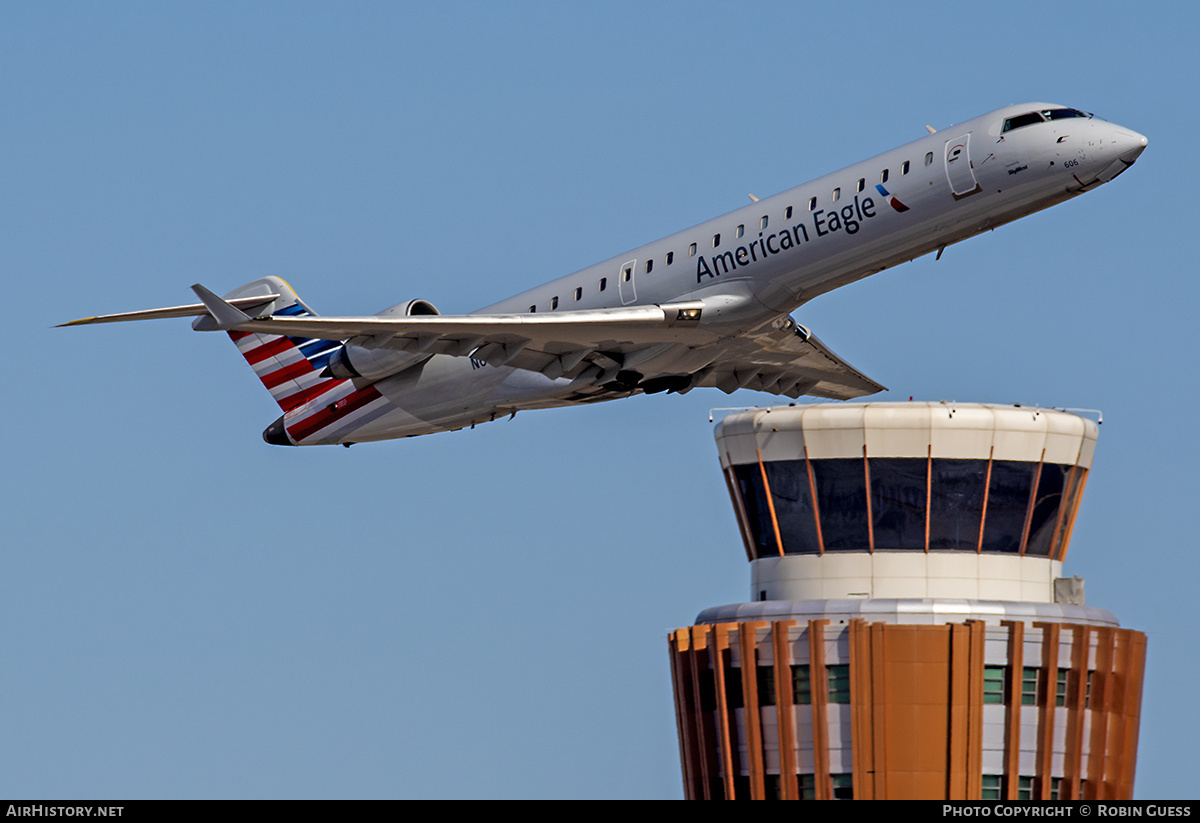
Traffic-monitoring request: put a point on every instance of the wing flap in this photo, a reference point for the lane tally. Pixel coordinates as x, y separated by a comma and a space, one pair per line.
634, 325
784, 359
661, 347
786, 362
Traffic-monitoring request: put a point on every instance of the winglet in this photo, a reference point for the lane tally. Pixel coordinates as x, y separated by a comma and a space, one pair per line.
226, 315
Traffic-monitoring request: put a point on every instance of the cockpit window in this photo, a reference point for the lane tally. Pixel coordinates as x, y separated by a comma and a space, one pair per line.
1021, 120
1062, 114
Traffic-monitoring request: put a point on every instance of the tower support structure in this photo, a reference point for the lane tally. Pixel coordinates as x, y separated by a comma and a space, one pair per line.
910, 632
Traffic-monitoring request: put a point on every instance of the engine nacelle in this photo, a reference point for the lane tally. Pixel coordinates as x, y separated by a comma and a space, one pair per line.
376, 364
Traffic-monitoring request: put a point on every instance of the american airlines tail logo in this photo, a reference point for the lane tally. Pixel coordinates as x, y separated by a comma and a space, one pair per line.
894, 202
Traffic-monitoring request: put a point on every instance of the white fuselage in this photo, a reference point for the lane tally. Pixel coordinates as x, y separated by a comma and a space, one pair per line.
760, 262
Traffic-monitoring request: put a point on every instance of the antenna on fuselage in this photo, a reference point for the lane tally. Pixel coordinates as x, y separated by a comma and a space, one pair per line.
755, 199
931, 129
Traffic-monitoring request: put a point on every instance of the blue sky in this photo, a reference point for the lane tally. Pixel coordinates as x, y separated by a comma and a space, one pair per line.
189, 612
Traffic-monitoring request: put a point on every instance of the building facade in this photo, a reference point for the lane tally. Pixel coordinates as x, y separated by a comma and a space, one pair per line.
910, 633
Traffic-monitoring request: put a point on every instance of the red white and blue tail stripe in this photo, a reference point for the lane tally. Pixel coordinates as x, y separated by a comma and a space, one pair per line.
316, 409
289, 367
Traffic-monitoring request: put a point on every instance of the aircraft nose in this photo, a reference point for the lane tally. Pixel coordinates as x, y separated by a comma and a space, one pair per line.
1128, 146
1131, 146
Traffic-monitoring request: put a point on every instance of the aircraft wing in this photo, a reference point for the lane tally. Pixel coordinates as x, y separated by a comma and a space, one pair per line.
787, 360
608, 351
652, 348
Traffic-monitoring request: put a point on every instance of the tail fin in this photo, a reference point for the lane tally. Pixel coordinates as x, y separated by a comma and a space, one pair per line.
289, 367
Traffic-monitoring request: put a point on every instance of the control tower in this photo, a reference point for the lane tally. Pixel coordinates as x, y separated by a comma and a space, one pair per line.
910, 633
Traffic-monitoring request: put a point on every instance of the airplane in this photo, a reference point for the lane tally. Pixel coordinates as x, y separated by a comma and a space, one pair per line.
708, 306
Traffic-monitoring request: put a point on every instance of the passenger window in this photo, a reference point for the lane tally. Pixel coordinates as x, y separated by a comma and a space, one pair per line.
670, 257
904, 167
532, 309
554, 303
741, 230
862, 183
603, 283
762, 224
579, 294
649, 266
716, 240
787, 213
929, 159
628, 273
812, 203
883, 176
692, 250
837, 194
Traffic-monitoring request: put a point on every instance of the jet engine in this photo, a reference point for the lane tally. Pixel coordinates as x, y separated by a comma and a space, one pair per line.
375, 363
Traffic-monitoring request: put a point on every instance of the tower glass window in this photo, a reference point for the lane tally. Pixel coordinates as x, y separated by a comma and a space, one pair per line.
839, 683
993, 685
908, 504
898, 500
842, 503
1029, 686
801, 685
957, 488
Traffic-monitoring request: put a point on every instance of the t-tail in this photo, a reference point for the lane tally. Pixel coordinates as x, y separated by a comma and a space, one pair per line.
317, 407
289, 367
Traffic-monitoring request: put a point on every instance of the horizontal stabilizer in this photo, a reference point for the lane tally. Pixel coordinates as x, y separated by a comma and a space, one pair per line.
190, 310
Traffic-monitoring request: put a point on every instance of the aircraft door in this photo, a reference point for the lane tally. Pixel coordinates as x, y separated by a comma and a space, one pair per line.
625, 282
958, 167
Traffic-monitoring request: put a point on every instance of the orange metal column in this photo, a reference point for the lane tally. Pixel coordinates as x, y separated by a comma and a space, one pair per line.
862, 709
978, 630
819, 684
785, 716
1101, 708
748, 646
686, 711
878, 717
1132, 665
705, 731
1076, 707
1012, 709
728, 741
958, 777
1046, 707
